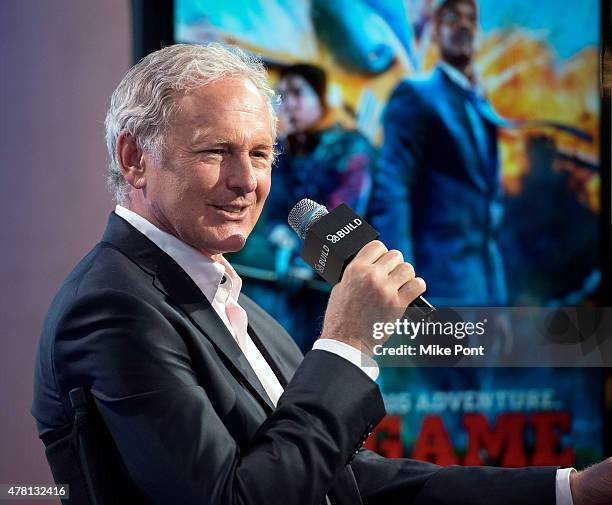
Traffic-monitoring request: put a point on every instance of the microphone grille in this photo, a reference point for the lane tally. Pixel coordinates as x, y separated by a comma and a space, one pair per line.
304, 214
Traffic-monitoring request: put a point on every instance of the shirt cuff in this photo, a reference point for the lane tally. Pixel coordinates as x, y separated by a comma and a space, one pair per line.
349, 353
563, 492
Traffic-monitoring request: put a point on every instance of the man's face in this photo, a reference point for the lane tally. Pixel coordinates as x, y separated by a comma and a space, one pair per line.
209, 184
300, 108
455, 32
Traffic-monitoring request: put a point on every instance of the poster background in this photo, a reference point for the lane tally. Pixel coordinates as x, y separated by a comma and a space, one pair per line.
534, 62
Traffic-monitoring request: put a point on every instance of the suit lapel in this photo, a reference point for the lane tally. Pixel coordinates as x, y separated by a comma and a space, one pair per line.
276, 346
172, 281
271, 357
461, 128
205, 317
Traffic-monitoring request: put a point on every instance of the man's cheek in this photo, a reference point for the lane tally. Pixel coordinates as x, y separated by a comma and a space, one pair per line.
257, 212
264, 189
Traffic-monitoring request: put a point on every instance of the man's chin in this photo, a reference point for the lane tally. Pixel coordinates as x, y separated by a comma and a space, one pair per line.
230, 244
459, 59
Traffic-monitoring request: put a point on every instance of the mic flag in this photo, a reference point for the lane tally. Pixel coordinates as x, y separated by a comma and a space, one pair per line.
333, 239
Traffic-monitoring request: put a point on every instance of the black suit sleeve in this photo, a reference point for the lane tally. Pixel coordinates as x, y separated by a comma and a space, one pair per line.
405, 129
384, 481
174, 445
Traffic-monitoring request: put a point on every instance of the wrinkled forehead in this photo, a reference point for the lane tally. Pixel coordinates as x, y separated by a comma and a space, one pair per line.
223, 106
218, 102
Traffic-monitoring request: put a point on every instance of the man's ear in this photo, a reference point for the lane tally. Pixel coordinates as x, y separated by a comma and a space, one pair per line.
131, 161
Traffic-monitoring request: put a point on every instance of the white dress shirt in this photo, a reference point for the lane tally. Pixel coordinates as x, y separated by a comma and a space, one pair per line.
221, 286
458, 78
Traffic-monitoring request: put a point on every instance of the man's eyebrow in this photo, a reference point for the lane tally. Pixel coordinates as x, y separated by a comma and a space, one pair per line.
217, 141
264, 146
209, 137
222, 141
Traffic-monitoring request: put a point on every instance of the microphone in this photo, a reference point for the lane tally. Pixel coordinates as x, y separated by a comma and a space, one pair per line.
333, 239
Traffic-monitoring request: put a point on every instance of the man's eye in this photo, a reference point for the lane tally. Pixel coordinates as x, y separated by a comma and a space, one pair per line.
450, 16
260, 154
220, 152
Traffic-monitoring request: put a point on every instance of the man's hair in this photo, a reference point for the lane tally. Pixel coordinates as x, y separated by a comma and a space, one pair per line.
314, 76
145, 100
439, 5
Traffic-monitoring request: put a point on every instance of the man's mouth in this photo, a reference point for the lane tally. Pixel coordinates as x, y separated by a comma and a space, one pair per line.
235, 209
232, 211
462, 37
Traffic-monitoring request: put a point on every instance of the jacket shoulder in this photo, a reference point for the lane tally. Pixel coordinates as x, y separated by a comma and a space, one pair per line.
420, 86
104, 268
102, 277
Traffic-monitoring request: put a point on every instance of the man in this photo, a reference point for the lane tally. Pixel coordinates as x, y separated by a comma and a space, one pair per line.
201, 396
437, 192
318, 159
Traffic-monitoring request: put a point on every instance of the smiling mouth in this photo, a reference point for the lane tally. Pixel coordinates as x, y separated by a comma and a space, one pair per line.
232, 211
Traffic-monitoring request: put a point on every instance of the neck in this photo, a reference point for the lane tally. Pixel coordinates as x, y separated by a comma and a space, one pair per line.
308, 140
135, 201
135, 204
465, 67
302, 142
215, 256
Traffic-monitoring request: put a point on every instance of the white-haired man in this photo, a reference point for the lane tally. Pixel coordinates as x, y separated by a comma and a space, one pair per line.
184, 391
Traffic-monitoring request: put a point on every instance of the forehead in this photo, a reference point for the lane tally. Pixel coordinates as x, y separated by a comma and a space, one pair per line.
463, 7
231, 103
292, 83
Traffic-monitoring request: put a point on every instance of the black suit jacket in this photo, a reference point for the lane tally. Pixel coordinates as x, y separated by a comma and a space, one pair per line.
186, 420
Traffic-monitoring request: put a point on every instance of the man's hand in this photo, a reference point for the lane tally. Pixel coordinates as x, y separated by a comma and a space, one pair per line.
376, 286
593, 486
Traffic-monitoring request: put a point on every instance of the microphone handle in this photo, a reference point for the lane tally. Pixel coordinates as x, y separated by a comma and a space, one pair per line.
420, 308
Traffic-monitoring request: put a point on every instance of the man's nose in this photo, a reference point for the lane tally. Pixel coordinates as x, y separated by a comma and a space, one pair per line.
466, 21
241, 177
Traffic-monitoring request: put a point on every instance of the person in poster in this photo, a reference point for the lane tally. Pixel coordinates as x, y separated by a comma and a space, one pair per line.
437, 191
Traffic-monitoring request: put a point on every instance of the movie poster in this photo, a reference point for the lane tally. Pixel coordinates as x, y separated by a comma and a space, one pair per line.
488, 184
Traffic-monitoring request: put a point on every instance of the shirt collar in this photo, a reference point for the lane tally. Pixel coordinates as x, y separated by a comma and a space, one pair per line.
205, 272
458, 78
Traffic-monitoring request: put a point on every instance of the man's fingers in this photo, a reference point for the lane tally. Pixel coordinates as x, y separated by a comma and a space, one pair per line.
411, 290
390, 260
370, 252
401, 274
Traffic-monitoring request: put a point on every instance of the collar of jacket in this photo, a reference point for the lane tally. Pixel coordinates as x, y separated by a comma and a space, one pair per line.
171, 280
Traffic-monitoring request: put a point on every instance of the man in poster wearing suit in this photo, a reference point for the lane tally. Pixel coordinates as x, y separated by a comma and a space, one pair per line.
437, 192
201, 397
